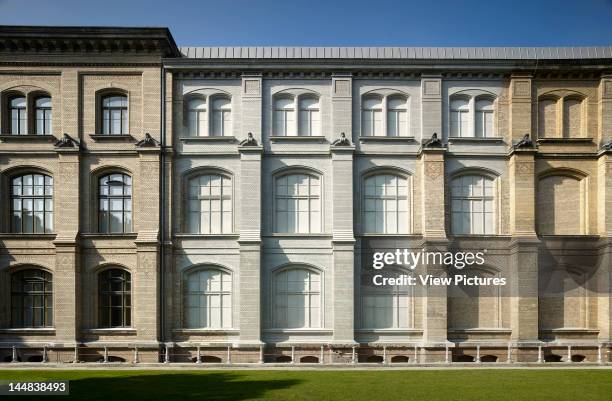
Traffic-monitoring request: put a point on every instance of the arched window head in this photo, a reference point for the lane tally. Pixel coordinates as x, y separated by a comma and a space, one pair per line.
284, 116
209, 204
297, 299
460, 118
572, 118
221, 116
115, 203
386, 204
197, 117
43, 116
31, 299
298, 204
309, 117
19, 119
208, 299
397, 116
115, 115
114, 298
372, 118
32, 204
484, 118
473, 205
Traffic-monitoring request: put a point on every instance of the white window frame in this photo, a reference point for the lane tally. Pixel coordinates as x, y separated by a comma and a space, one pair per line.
471, 113
224, 115
384, 198
385, 112
209, 294
226, 193
395, 293
280, 319
289, 197
47, 116
471, 199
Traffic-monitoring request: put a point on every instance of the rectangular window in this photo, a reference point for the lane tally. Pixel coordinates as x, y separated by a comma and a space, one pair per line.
484, 124
396, 123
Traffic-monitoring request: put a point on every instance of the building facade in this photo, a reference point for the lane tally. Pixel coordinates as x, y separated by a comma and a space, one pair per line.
223, 204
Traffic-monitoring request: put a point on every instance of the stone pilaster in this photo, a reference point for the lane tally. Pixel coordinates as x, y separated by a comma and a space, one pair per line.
66, 279
342, 105
524, 247
145, 278
251, 106
605, 110
250, 245
604, 272
431, 185
343, 245
520, 107
431, 108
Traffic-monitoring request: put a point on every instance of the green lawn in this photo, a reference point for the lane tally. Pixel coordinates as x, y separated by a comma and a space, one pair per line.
295, 385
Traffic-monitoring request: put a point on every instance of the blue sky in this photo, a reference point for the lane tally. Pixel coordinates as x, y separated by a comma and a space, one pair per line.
338, 23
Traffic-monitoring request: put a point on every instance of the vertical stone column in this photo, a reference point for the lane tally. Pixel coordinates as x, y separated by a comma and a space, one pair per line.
431, 106
342, 105
343, 245
523, 248
604, 272
145, 278
250, 214
66, 279
605, 110
431, 184
250, 245
520, 106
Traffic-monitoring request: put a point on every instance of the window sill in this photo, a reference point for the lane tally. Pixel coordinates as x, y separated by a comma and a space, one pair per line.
386, 139
297, 138
390, 331
565, 140
112, 331
300, 331
478, 236
205, 236
29, 330
27, 138
206, 331
370, 235
298, 235
109, 235
482, 330
27, 236
475, 140
570, 330
100, 137
207, 139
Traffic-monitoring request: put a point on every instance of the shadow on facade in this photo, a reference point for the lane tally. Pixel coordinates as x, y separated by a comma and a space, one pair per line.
179, 386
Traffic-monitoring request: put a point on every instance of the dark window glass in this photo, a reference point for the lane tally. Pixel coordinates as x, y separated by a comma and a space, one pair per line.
31, 299
114, 300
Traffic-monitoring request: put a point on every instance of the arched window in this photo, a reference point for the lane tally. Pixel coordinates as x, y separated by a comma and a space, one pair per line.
114, 298
221, 116
460, 118
572, 118
31, 299
19, 119
209, 208
547, 118
397, 116
297, 299
386, 207
115, 115
32, 204
310, 122
197, 118
298, 204
43, 115
484, 118
284, 116
473, 205
208, 299
372, 122
386, 307
115, 203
